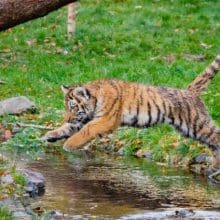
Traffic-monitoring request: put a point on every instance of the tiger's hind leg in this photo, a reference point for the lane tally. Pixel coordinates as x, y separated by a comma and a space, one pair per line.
199, 126
210, 135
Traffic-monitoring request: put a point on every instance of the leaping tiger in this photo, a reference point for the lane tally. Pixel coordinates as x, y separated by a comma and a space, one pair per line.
101, 106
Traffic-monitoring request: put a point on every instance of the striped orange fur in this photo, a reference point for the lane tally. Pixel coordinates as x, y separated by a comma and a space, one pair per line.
101, 106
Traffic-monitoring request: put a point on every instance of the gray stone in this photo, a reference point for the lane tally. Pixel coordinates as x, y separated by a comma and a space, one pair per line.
16, 208
7, 179
185, 213
200, 159
121, 151
144, 153
22, 215
35, 183
16, 105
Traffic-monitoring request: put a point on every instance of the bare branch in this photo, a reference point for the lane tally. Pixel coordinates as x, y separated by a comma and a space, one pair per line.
30, 126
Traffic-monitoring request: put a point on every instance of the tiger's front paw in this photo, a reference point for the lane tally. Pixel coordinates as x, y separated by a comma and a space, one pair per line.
52, 136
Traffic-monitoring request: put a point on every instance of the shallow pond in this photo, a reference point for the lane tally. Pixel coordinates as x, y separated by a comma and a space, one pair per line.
122, 188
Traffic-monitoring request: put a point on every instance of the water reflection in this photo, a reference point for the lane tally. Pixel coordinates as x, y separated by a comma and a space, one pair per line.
117, 187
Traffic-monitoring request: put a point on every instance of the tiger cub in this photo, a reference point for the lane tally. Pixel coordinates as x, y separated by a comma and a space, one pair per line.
101, 106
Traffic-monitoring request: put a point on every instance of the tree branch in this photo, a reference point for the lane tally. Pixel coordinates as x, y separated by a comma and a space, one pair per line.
30, 126
14, 12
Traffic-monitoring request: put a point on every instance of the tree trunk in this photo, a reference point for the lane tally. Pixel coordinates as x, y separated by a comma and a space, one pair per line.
14, 12
71, 20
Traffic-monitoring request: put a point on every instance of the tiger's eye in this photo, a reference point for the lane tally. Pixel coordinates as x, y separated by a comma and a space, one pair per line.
72, 103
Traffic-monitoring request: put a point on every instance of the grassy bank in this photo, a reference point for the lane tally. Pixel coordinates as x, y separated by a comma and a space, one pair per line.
5, 214
144, 41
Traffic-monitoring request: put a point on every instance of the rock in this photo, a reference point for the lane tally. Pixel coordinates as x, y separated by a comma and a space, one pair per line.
16, 209
144, 153
200, 159
7, 179
182, 213
121, 151
57, 216
53, 215
16, 105
22, 215
35, 183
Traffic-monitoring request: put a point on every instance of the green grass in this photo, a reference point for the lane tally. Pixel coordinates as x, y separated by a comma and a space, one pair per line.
5, 214
121, 39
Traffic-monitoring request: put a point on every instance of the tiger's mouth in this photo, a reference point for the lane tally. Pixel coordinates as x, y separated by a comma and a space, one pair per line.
83, 119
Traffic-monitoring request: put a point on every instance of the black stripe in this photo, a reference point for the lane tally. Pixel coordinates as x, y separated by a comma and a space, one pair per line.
158, 111
134, 121
76, 99
137, 111
179, 95
171, 115
141, 98
180, 118
149, 113
112, 106
84, 108
138, 108
195, 125
115, 101
189, 117
201, 126
187, 114
165, 111
199, 82
134, 93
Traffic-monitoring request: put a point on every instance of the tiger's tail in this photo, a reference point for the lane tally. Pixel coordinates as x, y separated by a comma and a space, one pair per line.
201, 82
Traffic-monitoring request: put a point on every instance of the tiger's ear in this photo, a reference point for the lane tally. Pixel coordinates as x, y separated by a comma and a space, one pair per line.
65, 89
83, 92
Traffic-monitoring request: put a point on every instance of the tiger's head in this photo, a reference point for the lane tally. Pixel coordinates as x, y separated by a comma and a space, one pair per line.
79, 105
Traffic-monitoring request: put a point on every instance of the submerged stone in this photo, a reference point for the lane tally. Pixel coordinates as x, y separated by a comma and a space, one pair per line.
35, 183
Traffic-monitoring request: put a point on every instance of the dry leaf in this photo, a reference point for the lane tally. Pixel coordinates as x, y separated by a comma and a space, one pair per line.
31, 117
2, 172
31, 42
169, 58
3, 197
8, 134
59, 50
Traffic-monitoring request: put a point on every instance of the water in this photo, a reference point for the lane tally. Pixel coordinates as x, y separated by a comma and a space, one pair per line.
117, 188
